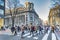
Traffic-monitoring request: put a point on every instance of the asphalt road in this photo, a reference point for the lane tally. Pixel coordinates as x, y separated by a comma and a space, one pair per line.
27, 36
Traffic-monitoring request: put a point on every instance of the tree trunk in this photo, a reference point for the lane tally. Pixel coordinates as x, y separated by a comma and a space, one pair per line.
12, 21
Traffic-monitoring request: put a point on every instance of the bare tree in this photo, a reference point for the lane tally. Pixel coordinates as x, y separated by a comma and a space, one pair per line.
55, 2
12, 5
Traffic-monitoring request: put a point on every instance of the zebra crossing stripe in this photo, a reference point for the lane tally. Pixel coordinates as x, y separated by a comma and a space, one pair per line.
18, 35
35, 38
53, 36
29, 36
58, 36
46, 36
26, 34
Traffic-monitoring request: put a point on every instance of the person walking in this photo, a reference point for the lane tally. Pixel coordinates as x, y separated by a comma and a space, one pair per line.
53, 29
40, 29
15, 33
22, 30
32, 30
12, 29
47, 29
18, 28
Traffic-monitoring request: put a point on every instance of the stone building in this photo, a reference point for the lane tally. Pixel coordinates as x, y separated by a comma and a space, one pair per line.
25, 15
54, 15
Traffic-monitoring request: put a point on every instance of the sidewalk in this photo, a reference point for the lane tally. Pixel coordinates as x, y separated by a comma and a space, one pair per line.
6, 32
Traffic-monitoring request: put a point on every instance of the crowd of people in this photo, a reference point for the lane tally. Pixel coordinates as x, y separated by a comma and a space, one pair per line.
32, 29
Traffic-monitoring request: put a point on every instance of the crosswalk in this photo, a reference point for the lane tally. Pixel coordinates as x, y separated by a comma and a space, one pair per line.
46, 36
58, 35
53, 36
39, 36
36, 37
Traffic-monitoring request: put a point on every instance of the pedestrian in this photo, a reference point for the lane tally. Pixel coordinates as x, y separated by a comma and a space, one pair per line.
22, 30
32, 30
18, 28
12, 29
35, 29
15, 32
47, 29
53, 29
40, 29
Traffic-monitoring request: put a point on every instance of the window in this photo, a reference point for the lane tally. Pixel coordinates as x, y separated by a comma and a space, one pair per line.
59, 14
1, 3
53, 13
1, 11
53, 17
26, 24
58, 11
26, 18
31, 18
31, 23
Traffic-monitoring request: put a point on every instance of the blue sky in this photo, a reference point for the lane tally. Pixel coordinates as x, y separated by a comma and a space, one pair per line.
41, 7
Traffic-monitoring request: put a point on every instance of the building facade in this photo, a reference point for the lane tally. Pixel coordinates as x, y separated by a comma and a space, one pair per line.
1, 13
54, 15
25, 16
